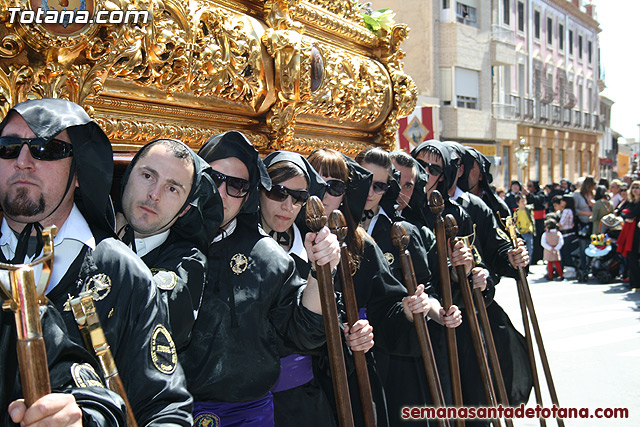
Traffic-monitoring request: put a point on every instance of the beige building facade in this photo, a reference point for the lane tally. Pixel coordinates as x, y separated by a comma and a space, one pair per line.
502, 70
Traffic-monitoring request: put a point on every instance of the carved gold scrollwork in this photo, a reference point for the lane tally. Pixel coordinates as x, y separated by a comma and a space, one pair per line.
405, 92
14, 86
227, 58
344, 8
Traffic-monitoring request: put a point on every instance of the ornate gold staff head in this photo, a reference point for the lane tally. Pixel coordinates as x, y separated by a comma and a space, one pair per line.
436, 203
399, 236
315, 216
450, 226
511, 228
338, 225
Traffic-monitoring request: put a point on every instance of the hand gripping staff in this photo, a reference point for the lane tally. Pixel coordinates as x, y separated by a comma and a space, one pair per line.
400, 239
88, 321
452, 230
23, 297
316, 219
436, 205
526, 305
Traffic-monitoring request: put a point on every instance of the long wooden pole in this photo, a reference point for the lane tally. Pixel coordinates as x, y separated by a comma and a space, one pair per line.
400, 239
526, 293
436, 205
338, 226
316, 219
474, 328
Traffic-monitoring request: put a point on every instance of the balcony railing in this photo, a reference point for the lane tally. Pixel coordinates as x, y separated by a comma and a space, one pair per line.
544, 112
556, 114
504, 111
528, 108
577, 118
517, 103
587, 121
566, 116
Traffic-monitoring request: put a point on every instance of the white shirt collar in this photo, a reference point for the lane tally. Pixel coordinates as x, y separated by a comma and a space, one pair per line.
227, 231
147, 244
72, 236
458, 193
374, 220
297, 247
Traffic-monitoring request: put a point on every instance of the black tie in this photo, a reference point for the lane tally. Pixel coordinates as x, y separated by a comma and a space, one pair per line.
283, 239
128, 238
23, 248
368, 214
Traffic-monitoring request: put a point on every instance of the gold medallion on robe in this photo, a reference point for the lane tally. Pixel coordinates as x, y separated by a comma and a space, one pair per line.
239, 263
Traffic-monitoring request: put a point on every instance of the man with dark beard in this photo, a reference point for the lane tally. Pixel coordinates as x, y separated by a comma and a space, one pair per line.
56, 166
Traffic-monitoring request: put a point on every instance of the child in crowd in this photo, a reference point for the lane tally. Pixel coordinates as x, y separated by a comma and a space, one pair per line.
552, 242
524, 222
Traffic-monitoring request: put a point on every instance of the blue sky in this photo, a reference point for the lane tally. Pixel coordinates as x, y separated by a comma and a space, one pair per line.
620, 58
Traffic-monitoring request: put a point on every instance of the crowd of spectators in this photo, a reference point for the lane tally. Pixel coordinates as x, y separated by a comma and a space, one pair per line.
578, 210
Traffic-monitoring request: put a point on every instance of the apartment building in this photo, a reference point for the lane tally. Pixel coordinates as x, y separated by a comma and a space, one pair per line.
502, 71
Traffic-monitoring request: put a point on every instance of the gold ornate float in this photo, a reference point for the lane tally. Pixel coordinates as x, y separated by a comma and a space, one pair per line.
291, 74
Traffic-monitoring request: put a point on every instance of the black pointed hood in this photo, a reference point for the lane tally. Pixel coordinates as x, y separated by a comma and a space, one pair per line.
450, 169
235, 144
202, 222
92, 155
360, 180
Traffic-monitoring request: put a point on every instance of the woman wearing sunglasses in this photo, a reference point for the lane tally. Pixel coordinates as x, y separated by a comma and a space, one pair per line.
403, 387
380, 297
298, 399
253, 294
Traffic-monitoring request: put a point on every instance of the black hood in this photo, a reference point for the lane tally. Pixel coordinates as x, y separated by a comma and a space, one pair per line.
235, 144
92, 155
360, 180
450, 170
389, 200
202, 222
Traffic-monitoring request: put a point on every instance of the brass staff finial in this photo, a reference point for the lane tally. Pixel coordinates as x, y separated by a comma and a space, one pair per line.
338, 225
315, 216
436, 203
399, 236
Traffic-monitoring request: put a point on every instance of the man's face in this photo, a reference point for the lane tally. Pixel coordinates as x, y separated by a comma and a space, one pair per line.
475, 176
157, 189
233, 167
31, 189
530, 187
564, 185
407, 184
434, 178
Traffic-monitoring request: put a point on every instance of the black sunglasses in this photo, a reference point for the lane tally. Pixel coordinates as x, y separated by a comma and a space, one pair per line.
236, 187
40, 148
432, 168
380, 187
279, 193
336, 187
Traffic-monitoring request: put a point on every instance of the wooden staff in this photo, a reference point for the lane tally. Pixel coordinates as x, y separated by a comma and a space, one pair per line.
474, 327
525, 292
338, 226
316, 219
436, 205
452, 231
400, 239
24, 301
86, 316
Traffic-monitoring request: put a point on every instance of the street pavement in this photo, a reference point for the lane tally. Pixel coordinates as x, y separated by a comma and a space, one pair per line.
591, 335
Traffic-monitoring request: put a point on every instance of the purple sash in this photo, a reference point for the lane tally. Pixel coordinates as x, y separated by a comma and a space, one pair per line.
362, 313
255, 413
296, 370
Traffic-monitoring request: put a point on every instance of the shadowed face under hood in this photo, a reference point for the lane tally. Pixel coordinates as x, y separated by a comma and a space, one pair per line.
450, 169
235, 144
